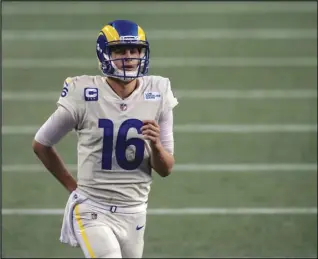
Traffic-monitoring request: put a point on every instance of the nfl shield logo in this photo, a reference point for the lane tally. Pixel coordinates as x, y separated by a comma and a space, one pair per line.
123, 106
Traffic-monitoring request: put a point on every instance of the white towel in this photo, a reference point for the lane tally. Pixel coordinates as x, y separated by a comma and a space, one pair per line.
67, 231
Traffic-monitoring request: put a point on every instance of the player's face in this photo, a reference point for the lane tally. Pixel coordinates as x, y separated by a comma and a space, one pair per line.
128, 54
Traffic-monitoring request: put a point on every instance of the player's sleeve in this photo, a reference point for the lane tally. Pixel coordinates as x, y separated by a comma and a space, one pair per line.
170, 101
166, 130
72, 98
166, 118
56, 127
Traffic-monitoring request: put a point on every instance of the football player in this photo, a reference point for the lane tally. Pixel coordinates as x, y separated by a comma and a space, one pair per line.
124, 123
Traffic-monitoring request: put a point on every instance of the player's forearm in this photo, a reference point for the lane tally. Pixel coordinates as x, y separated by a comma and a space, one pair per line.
162, 161
55, 165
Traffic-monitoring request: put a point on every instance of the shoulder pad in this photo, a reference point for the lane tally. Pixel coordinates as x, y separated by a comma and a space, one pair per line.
68, 80
75, 85
157, 83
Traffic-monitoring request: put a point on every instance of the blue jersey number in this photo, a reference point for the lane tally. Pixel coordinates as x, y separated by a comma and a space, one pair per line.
122, 144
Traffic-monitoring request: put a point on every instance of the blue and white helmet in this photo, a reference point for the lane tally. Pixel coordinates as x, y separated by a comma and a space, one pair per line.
122, 32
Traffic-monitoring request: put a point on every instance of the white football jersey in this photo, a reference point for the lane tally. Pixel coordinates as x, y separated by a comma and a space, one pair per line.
113, 164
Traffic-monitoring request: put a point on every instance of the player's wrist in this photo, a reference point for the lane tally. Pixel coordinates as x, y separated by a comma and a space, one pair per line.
156, 147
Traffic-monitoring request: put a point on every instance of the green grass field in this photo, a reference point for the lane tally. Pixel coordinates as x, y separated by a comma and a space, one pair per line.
245, 181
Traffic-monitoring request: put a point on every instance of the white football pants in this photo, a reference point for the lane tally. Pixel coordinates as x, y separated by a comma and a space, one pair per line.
109, 232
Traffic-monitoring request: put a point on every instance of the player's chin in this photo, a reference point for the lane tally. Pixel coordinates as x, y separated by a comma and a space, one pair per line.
130, 69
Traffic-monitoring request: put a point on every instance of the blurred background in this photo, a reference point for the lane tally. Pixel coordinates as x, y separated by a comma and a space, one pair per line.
245, 182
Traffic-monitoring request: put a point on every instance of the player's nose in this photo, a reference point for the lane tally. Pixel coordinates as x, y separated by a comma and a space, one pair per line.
128, 54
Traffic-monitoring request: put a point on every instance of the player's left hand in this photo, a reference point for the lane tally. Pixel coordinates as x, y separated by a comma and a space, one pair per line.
151, 131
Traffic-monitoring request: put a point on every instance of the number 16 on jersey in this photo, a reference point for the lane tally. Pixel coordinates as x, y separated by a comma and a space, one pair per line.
122, 143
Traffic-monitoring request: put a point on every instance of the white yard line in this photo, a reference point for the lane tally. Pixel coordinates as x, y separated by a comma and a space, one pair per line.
40, 96
83, 8
310, 167
246, 94
210, 128
184, 211
197, 128
156, 34
161, 62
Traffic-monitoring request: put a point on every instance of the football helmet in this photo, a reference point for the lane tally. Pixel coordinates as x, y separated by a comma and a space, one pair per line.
122, 33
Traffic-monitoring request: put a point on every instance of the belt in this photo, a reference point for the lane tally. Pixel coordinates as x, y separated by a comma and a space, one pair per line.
119, 209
